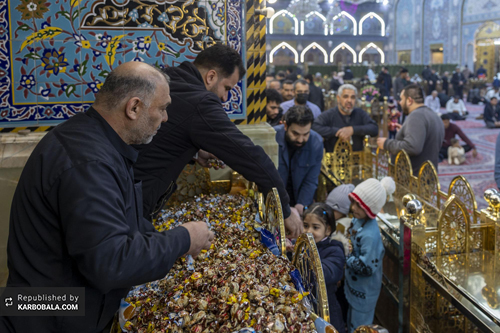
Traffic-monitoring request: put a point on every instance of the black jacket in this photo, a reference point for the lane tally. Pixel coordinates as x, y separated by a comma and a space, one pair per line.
491, 113
334, 84
76, 221
456, 78
332, 256
316, 96
329, 122
196, 120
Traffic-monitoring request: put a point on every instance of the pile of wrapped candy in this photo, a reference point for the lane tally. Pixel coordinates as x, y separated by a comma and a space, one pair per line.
237, 285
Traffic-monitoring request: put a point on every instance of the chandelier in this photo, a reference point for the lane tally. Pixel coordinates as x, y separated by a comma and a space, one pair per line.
300, 8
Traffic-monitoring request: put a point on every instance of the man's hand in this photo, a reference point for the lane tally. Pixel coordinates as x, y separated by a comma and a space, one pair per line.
398, 126
345, 133
204, 156
299, 208
380, 142
293, 224
201, 237
474, 152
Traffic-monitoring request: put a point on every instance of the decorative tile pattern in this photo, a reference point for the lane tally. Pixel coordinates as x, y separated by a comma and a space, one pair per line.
55, 55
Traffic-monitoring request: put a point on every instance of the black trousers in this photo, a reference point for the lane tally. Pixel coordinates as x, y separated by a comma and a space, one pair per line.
443, 152
458, 90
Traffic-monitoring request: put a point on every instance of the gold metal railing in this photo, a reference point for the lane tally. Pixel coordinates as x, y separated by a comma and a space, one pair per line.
455, 242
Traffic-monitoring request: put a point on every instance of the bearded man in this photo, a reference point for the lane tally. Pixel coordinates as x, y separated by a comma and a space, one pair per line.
345, 121
300, 155
421, 135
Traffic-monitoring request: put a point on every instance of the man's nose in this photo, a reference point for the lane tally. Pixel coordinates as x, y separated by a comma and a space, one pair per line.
164, 118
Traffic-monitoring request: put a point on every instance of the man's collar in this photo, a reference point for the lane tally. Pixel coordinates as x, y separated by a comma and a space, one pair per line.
124, 149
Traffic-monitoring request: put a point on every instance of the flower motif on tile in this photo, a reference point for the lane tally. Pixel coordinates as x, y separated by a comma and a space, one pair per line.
54, 61
105, 39
4, 112
2, 31
94, 86
33, 9
27, 81
81, 40
134, 14
45, 92
142, 44
168, 50
163, 18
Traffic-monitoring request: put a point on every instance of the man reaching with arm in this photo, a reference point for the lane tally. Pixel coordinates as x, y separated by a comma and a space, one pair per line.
197, 121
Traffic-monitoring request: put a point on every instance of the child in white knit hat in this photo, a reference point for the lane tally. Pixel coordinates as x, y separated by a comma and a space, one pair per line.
363, 275
339, 201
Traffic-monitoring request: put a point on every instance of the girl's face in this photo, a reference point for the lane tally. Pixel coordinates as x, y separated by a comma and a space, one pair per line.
357, 211
313, 225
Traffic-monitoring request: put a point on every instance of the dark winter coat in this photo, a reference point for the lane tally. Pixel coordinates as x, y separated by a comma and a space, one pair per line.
76, 221
197, 120
332, 256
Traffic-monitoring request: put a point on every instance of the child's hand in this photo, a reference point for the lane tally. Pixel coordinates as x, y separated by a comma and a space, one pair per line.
289, 246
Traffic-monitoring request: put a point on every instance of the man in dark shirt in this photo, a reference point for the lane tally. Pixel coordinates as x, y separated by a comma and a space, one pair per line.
433, 79
274, 112
458, 81
450, 131
445, 80
345, 122
492, 113
315, 93
198, 124
76, 216
300, 155
387, 79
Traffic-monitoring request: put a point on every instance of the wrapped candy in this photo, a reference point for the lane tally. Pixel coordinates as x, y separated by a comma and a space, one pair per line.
237, 286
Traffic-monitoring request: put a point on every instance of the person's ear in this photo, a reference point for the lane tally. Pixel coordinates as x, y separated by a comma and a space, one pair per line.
211, 77
328, 230
133, 108
285, 125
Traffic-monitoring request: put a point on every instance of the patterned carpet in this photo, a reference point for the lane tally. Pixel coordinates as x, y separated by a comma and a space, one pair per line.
478, 171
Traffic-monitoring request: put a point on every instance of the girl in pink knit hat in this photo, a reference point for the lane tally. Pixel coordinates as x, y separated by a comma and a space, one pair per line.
363, 274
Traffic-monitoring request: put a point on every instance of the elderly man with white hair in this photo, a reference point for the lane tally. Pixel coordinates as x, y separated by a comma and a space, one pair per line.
345, 121
432, 102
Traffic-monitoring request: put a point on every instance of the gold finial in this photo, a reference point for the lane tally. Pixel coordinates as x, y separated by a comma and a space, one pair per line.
407, 198
487, 196
414, 208
495, 204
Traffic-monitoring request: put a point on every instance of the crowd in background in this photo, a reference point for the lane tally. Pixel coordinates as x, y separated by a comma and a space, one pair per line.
441, 93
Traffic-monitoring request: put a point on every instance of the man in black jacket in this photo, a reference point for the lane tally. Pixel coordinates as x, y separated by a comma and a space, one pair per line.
274, 112
197, 124
345, 121
76, 217
315, 93
458, 81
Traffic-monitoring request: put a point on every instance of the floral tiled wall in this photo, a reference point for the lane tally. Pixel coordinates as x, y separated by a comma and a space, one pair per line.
54, 56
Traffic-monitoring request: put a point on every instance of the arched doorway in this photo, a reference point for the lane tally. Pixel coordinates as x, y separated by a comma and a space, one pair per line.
487, 41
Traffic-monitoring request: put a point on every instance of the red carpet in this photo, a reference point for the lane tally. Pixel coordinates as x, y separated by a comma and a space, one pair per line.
478, 171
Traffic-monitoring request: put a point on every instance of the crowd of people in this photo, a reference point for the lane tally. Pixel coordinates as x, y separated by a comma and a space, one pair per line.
81, 214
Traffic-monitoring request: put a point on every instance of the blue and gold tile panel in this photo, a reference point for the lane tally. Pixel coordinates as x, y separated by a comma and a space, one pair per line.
55, 55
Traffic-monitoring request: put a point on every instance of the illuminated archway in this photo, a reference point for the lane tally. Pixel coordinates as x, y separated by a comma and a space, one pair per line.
284, 12
314, 45
283, 46
372, 15
318, 14
350, 17
332, 54
382, 55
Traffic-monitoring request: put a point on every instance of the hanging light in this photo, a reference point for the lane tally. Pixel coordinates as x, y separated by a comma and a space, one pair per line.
300, 8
